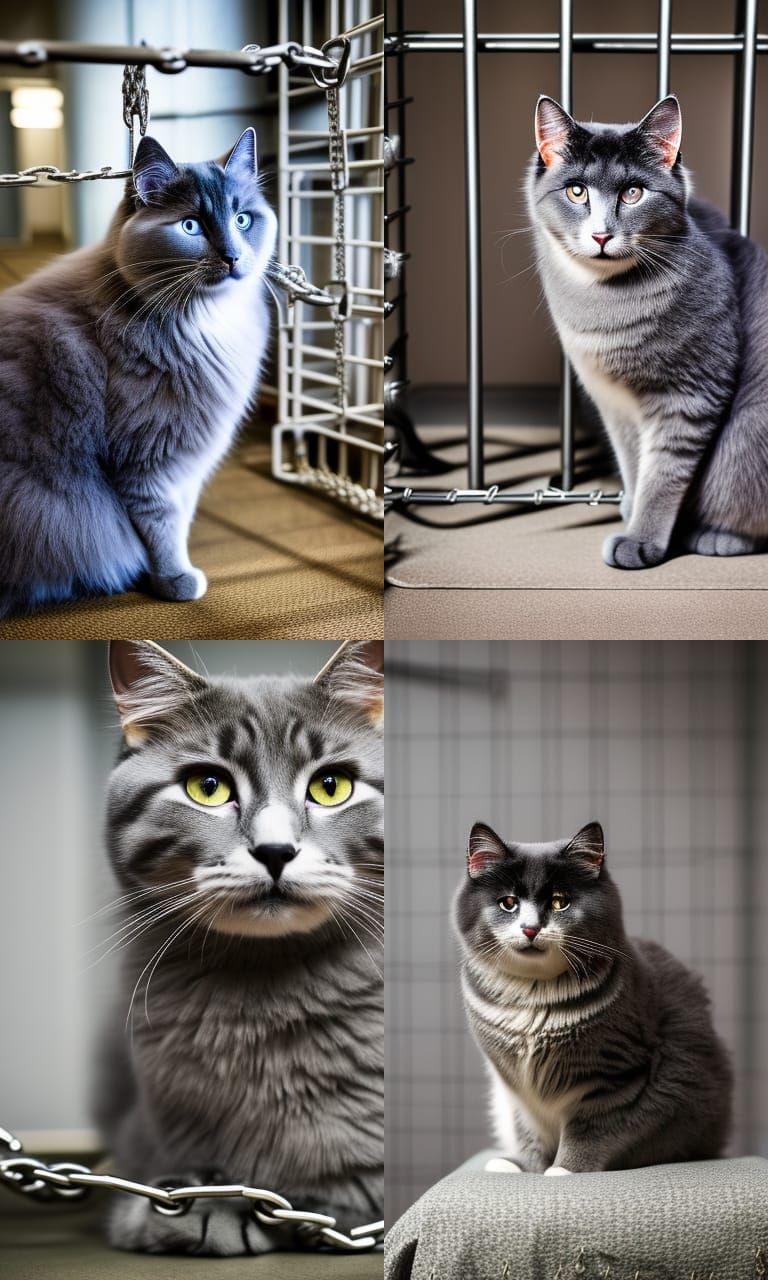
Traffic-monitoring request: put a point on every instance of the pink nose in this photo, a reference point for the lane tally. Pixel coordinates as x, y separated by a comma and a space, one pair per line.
530, 930
602, 237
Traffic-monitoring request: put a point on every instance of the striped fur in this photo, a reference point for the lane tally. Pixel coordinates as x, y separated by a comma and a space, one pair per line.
254, 1046
600, 1048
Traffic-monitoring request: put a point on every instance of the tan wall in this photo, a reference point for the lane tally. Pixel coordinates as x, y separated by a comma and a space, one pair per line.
519, 344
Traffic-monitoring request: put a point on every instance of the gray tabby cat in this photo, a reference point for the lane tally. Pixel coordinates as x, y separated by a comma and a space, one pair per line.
600, 1048
245, 829
125, 368
663, 311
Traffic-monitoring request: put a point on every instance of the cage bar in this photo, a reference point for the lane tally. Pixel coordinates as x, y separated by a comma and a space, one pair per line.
744, 46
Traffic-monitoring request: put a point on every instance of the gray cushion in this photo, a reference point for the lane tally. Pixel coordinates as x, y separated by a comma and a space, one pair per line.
668, 1222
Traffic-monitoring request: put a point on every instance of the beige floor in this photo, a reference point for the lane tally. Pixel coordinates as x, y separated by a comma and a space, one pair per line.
538, 573
280, 561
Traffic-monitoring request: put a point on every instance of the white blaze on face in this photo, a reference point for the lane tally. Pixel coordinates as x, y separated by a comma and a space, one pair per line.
274, 824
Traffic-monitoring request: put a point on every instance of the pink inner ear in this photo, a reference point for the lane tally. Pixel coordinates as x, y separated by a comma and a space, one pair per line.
551, 134
597, 859
668, 145
480, 859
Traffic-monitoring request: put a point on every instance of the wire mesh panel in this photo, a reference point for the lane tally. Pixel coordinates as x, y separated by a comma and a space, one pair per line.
329, 436
662, 743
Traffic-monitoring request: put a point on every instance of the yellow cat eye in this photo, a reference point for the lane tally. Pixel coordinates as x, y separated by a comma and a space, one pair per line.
509, 903
560, 902
577, 194
631, 195
208, 788
329, 788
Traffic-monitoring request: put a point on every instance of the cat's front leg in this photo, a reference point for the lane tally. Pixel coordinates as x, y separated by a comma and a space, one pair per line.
163, 526
210, 1227
668, 461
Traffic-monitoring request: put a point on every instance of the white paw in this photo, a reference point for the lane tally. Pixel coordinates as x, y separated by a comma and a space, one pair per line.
556, 1170
499, 1165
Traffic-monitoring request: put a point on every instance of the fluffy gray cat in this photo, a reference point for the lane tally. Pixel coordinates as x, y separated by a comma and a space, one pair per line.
245, 828
663, 311
125, 368
601, 1049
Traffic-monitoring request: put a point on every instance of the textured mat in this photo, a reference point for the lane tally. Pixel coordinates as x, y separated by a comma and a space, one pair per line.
281, 563
668, 1222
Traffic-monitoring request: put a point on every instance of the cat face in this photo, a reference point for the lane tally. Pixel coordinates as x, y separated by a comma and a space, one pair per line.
536, 910
256, 804
195, 228
610, 196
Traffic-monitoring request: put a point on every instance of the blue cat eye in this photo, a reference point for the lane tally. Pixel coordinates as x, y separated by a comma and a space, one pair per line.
191, 226
243, 221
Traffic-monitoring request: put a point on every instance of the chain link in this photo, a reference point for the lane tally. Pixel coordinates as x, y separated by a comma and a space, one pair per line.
337, 160
135, 102
67, 1181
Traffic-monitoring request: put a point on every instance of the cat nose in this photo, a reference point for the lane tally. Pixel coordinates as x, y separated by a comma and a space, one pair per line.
530, 930
602, 237
274, 857
230, 261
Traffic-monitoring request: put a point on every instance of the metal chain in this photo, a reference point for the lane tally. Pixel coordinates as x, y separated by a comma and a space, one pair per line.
320, 63
337, 160
67, 1181
135, 102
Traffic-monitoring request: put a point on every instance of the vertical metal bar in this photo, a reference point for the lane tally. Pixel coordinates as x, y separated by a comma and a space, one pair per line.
402, 228
744, 118
665, 33
566, 384
474, 283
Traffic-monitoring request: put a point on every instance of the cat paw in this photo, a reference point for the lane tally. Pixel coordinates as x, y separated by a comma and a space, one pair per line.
556, 1171
622, 552
719, 542
182, 586
210, 1228
500, 1165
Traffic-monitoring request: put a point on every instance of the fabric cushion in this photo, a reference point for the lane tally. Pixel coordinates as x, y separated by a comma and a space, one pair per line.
668, 1222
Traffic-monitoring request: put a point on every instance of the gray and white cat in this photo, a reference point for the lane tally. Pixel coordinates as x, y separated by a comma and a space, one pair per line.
600, 1048
662, 310
125, 368
245, 827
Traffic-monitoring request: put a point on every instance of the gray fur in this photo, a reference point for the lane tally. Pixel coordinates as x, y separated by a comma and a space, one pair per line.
601, 1048
125, 368
247, 1057
666, 327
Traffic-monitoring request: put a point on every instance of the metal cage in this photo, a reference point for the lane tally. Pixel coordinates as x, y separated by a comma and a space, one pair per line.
329, 434
743, 46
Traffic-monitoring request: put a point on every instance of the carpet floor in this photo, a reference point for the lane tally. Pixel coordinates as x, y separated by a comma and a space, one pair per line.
537, 573
282, 563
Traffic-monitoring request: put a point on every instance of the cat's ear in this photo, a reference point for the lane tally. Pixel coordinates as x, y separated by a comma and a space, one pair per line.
663, 129
587, 848
153, 169
242, 158
149, 685
484, 851
553, 128
355, 675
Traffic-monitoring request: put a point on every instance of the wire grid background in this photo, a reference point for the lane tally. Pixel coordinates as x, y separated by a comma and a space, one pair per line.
661, 742
307, 383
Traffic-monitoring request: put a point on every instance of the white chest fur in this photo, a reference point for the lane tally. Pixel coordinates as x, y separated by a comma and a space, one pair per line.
545, 1117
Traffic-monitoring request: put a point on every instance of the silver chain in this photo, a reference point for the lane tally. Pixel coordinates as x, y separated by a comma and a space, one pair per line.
135, 102
337, 161
67, 1181
323, 67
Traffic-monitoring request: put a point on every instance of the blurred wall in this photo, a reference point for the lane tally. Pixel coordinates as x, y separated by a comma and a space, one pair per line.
58, 739
519, 343
666, 745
